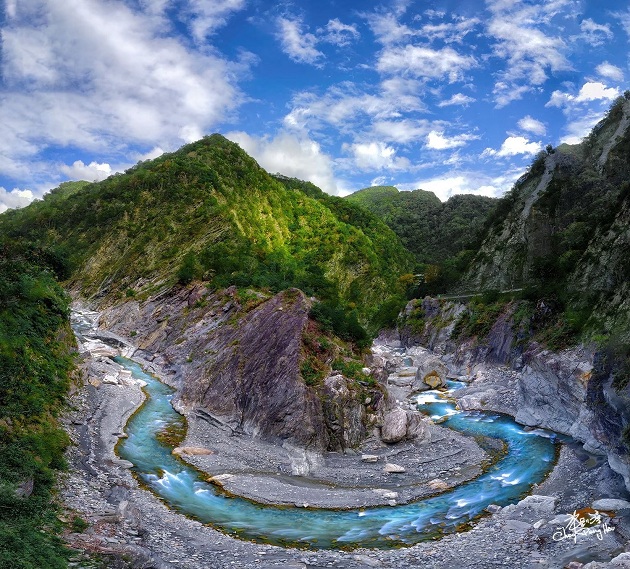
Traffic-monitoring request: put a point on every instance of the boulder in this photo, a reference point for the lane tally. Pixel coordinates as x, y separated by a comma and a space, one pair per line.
431, 374
610, 504
391, 468
394, 427
369, 458
437, 484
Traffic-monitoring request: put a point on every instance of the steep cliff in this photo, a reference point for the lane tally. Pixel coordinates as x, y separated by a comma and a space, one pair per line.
563, 230
249, 363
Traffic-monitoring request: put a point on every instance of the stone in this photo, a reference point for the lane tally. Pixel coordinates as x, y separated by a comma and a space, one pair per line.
369, 458
437, 484
432, 373
391, 468
622, 560
111, 379
192, 451
610, 504
394, 427
493, 508
220, 479
25, 489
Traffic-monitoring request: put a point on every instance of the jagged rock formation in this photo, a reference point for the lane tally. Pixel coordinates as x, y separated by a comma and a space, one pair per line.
570, 391
239, 367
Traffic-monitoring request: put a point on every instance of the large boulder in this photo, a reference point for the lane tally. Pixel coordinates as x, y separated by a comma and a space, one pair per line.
399, 424
394, 427
431, 374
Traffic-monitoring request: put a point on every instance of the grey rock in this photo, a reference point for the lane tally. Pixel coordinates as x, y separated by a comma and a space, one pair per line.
394, 427
391, 468
369, 458
610, 504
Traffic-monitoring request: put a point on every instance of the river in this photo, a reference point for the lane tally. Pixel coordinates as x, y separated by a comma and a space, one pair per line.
529, 457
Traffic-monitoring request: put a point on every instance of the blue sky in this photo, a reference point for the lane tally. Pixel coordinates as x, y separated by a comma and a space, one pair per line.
450, 96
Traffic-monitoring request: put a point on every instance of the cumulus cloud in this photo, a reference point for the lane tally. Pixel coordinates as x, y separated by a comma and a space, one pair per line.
92, 172
375, 156
298, 44
532, 125
464, 183
457, 99
87, 72
292, 155
388, 29
424, 62
14, 198
337, 33
514, 146
437, 141
609, 71
590, 91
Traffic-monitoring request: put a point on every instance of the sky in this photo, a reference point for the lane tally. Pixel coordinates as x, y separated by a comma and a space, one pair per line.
448, 96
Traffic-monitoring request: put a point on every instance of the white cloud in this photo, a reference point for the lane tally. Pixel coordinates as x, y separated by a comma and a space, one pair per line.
402, 131
580, 126
594, 33
609, 71
88, 72
527, 50
152, 154
590, 91
388, 29
206, 17
424, 62
449, 32
532, 125
340, 34
291, 155
514, 146
624, 20
92, 172
457, 99
14, 198
298, 44
437, 141
346, 106
375, 156
467, 183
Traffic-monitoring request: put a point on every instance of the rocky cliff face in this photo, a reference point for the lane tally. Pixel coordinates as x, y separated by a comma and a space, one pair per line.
564, 227
570, 391
235, 359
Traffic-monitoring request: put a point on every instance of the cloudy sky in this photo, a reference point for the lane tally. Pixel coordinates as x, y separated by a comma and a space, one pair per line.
450, 96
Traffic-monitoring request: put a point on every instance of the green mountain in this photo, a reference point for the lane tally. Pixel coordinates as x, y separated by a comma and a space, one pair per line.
208, 211
433, 231
563, 234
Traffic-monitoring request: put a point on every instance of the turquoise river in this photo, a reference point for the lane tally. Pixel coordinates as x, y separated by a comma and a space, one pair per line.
529, 457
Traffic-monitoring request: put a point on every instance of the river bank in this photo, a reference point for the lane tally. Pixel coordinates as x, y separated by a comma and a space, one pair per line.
131, 521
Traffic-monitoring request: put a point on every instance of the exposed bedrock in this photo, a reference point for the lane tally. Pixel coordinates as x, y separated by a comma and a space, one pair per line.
569, 392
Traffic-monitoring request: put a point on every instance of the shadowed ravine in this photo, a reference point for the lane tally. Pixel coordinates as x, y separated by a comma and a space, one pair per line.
529, 458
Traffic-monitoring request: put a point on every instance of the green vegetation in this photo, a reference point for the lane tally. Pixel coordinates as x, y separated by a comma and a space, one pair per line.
208, 211
35, 366
433, 231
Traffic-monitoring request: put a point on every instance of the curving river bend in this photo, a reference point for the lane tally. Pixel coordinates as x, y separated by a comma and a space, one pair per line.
529, 458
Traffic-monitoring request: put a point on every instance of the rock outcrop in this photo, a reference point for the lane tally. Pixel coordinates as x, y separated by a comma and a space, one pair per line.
236, 360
